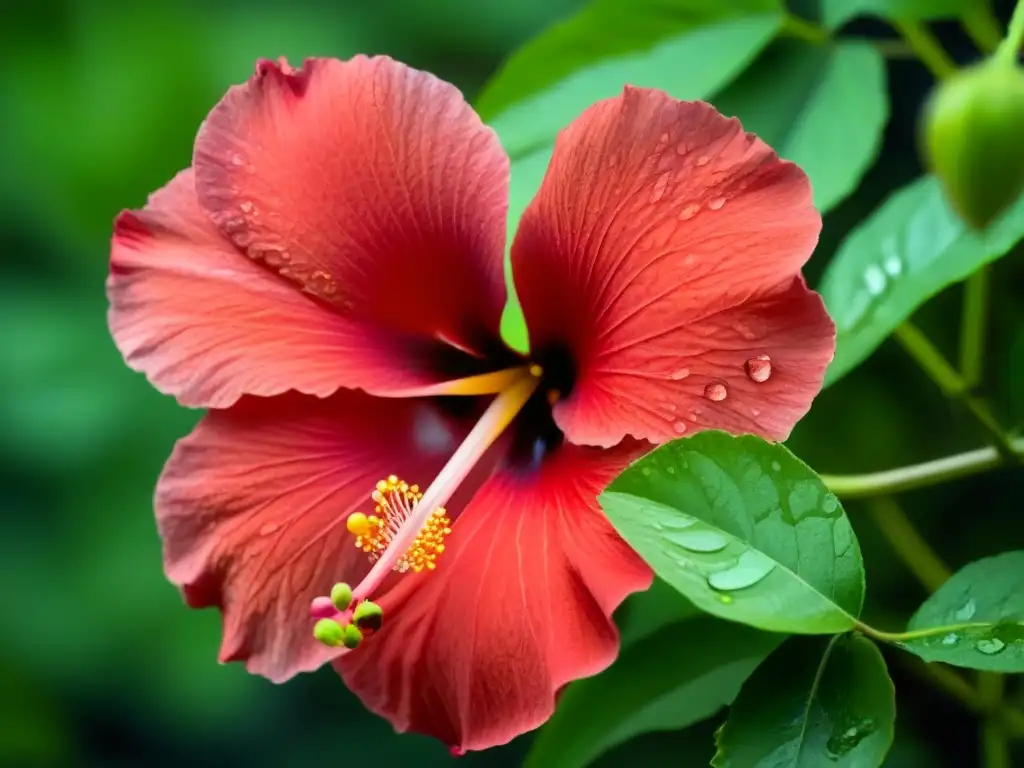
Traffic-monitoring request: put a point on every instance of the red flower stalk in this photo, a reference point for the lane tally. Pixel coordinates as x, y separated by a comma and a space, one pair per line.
327, 279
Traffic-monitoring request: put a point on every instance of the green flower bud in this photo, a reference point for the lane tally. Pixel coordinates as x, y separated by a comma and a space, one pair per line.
329, 632
341, 596
352, 637
973, 138
368, 616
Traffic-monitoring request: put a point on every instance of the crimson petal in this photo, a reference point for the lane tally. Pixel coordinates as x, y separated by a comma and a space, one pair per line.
664, 250
475, 652
252, 505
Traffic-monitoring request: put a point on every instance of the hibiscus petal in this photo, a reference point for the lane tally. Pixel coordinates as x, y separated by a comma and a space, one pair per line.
207, 325
663, 252
475, 652
370, 184
252, 505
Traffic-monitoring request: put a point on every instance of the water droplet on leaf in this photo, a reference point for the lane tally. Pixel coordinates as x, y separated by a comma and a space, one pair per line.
699, 541
716, 391
951, 639
776, 466
842, 742
966, 611
874, 279
990, 646
750, 568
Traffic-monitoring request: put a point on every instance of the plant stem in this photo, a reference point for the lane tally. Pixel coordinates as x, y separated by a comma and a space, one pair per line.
801, 29
1010, 47
982, 27
973, 327
995, 747
952, 384
918, 475
908, 543
927, 48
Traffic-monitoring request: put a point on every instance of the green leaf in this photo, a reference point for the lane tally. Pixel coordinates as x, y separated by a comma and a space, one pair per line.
680, 675
822, 106
835, 13
976, 619
745, 530
689, 49
644, 613
911, 248
814, 702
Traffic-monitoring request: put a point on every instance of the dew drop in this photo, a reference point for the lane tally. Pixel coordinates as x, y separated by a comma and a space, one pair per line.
689, 211
966, 611
755, 412
716, 392
660, 186
726, 599
776, 467
759, 369
874, 279
679, 427
670, 469
951, 639
990, 646
682, 148
702, 160
750, 568
679, 374
246, 206
268, 529
843, 741
893, 265
699, 541
646, 471
830, 504
237, 159
322, 283
716, 204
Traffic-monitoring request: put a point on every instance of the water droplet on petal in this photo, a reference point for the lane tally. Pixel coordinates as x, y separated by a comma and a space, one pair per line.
966, 611
237, 159
874, 279
716, 204
679, 374
990, 646
759, 369
699, 541
246, 206
689, 211
679, 427
750, 568
702, 160
716, 392
660, 186
951, 639
268, 529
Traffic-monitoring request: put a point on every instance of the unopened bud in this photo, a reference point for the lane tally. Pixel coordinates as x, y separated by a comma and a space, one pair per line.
329, 632
352, 637
341, 596
973, 137
368, 616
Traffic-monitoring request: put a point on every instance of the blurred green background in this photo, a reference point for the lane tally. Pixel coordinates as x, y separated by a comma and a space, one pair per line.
100, 662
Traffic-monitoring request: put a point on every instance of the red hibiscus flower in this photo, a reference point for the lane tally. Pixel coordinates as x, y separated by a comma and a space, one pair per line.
327, 279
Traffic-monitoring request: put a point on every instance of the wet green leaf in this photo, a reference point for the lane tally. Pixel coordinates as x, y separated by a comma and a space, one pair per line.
678, 676
688, 48
835, 13
911, 248
822, 106
976, 619
745, 530
813, 702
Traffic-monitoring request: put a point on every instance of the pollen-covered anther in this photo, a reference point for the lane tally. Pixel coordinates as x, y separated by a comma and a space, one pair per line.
394, 501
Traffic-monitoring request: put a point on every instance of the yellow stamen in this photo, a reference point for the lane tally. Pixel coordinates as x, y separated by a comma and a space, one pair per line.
394, 501
419, 538
483, 384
